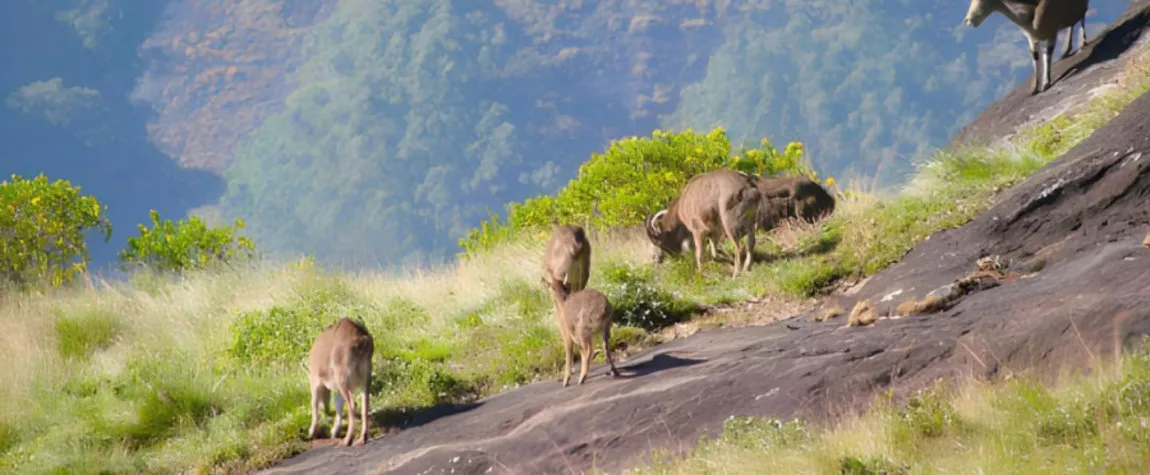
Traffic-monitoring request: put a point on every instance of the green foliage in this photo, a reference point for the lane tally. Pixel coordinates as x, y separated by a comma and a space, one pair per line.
638, 301
42, 230
875, 465
760, 432
927, 414
186, 244
78, 336
284, 333
634, 177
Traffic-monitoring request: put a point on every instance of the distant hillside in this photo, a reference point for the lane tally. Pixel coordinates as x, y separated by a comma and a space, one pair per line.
380, 131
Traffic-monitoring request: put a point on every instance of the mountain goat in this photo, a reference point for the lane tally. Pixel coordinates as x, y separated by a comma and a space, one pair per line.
792, 196
340, 361
713, 204
1040, 20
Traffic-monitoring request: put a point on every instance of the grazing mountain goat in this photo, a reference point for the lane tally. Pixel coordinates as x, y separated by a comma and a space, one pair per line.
1040, 20
713, 204
792, 196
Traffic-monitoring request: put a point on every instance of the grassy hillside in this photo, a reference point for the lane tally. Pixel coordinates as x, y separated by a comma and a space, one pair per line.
162, 373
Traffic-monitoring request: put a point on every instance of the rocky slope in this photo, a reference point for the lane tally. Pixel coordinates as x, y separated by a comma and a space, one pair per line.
1084, 216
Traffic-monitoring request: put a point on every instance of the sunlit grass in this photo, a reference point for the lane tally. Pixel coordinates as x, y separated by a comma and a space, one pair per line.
1079, 424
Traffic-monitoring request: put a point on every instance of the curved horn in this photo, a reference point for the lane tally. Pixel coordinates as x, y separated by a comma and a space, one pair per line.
653, 229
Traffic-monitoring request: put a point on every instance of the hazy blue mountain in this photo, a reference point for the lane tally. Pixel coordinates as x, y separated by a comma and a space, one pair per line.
379, 131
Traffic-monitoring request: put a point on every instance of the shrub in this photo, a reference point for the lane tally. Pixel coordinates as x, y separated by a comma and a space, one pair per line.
42, 230
633, 177
638, 302
186, 244
284, 333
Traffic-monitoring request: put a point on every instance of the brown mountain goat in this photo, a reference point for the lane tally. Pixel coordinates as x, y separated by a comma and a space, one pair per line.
718, 203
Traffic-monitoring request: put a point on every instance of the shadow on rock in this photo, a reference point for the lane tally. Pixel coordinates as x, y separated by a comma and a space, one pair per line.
404, 418
1112, 45
659, 362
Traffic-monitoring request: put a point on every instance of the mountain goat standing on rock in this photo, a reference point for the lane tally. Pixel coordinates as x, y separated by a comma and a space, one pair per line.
713, 204
340, 361
1040, 20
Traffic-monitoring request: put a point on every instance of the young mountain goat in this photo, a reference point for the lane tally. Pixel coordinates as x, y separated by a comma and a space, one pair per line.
713, 204
581, 315
1040, 20
340, 361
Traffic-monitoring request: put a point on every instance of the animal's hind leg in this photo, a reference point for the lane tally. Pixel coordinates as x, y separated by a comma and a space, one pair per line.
1082, 34
1034, 62
338, 414
364, 408
750, 249
350, 399
1048, 60
1066, 53
729, 231
585, 350
698, 251
319, 395
568, 357
607, 349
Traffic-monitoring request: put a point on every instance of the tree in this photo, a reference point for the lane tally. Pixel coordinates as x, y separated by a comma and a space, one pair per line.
186, 244
42, 230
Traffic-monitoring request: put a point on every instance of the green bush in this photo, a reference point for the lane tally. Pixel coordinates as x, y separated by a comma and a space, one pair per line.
634, 177
638, 302
284, 333
186, 244
42, 230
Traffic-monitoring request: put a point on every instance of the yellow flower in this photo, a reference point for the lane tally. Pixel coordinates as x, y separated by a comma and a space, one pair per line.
699, 150
830, 181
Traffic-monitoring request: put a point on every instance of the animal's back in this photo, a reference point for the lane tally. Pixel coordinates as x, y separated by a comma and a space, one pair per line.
343, 350
587, 311
712, 190
1051, 16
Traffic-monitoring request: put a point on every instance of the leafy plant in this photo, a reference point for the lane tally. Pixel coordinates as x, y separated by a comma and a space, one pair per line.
186, 244
42, 230
638, 302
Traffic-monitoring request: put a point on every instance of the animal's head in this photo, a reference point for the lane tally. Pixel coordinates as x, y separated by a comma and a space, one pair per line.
978, 11
665, 241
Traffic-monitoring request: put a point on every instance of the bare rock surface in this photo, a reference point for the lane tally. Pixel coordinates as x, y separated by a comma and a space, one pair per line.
1080, 222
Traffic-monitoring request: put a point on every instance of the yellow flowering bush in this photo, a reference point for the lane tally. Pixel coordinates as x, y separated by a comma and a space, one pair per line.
42, 230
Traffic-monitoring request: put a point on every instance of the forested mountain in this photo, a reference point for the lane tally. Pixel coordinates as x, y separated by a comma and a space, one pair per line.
379, 131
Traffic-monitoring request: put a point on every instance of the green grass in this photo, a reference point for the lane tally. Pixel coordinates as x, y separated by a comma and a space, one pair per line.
205, 372
1079, 424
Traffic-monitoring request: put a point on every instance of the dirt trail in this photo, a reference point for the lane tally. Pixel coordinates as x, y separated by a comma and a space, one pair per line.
1085, 216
